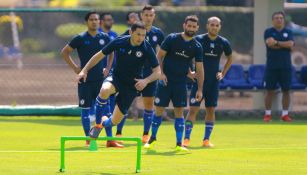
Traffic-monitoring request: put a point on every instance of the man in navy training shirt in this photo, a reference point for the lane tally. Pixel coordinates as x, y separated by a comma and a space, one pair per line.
155, 37
132, 51
175, 55
214, 46
279, 42
87, 44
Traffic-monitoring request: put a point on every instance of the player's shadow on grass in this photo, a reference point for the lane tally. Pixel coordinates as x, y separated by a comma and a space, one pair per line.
167, 153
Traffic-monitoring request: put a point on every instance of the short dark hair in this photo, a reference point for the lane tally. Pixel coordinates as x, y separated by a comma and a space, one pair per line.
87, 16
192, 18
137, 25
278, 13
128, 15
102, 15
147, 7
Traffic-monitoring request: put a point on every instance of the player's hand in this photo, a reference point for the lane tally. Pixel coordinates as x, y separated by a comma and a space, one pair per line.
81, 77
271, 41
199, 95
219, 76
163, 78
192, 75
105, 72
77, 70
140, 84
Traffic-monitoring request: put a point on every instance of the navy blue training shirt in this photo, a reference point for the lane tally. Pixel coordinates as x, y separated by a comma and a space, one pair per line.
130, 59
278, 58
87, 46
213, 50
179, 54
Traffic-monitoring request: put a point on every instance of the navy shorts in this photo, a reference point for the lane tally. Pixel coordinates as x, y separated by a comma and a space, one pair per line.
177, 92
88, 92
124, 94
277, 77
210, 93
150, 90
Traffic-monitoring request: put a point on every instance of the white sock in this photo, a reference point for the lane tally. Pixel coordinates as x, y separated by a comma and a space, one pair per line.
92, 118
268, 112
284, 112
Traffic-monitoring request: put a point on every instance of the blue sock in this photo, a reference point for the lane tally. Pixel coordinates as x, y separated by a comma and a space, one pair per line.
179, 127
188, 129
147, 120
121, 125
156, 122
208, 130
85, 121
108, 123
101, 109
92, 109
108, 130
112, 103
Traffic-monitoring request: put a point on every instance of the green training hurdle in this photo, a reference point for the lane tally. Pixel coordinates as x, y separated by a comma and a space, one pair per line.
132, 139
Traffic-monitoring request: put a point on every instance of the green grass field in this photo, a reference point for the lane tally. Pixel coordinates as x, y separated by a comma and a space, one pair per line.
30, 145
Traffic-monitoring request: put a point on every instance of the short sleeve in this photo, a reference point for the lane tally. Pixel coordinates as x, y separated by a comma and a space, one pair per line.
151, 56
198, 53
109, 48
160, 37
267, 34
75, 42
227, 48
166, 44
290, 36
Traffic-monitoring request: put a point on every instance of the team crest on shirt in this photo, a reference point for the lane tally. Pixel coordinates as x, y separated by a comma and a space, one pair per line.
101, 42
193, 100
154, 38
211, 45
138, 54
157, 100
285, 35
82, 102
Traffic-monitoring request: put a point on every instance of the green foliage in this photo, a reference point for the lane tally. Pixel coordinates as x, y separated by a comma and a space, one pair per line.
29, 45
119, 28
70, 29
107, 3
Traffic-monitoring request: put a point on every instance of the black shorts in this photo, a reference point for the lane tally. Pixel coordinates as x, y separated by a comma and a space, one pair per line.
87, 93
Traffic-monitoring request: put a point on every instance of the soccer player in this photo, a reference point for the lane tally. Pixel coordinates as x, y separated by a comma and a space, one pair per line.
87, 44
279, 42
155, 37
132, 51
106, 23
214, 46
175, 55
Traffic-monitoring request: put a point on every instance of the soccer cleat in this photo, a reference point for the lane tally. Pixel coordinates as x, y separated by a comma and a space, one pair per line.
150, 144
145, 138
87, 143
115, 144
207, 144
95, 131
181, 149
267, 118
286, 118
119, 141
186, 142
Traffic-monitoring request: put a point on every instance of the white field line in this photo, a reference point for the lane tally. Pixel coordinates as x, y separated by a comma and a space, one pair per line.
157, 149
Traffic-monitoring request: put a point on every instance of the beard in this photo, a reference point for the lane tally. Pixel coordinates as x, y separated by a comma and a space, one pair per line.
189, 33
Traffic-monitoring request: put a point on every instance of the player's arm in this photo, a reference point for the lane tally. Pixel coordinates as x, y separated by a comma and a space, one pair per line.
91, 63
220, 75
284, 44
199, 74
160, 55
106, 70
65, 53
142, 83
